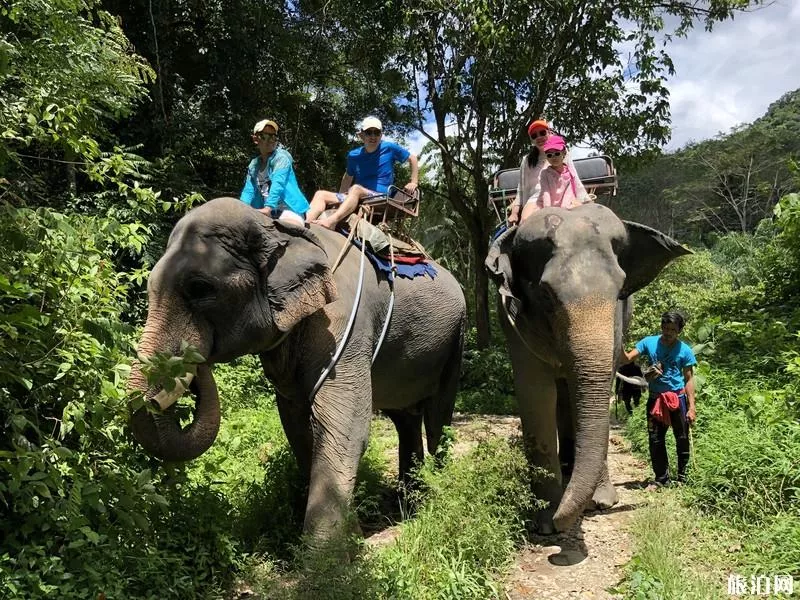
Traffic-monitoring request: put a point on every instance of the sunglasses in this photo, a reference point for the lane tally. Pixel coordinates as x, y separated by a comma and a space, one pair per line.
540, 133
267, 136
372, 132
553, 154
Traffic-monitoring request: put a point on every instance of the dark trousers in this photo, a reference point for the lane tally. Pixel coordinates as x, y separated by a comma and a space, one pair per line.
657, 433
628, 395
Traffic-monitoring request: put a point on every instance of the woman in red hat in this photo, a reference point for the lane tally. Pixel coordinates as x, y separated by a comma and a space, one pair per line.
530, 168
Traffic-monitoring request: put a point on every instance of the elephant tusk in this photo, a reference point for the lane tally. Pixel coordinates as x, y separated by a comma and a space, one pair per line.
639, 381
166, 399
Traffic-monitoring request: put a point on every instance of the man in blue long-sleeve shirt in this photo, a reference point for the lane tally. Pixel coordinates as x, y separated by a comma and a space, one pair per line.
270, 184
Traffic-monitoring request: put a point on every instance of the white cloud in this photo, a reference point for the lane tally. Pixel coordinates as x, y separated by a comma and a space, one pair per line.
731, 75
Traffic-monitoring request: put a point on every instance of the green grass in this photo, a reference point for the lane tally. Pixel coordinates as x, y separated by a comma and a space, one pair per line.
674, 557
468, 523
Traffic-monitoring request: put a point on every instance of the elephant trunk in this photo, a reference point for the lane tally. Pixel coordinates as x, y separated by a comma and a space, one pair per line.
161, 433
589, 326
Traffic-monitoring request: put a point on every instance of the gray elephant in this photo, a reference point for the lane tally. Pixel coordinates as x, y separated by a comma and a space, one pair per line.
233, 281
565, 278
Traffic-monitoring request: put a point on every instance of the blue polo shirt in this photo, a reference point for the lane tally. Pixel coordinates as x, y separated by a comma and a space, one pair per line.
674, 359
375, 170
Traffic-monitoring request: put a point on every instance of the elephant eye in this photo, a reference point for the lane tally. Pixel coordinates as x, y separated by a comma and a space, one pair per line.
199, 289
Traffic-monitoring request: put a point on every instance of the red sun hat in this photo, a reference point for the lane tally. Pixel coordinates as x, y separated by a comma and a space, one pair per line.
554, 142
537, 124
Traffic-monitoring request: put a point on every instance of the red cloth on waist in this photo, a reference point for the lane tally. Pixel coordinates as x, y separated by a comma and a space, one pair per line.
666, 402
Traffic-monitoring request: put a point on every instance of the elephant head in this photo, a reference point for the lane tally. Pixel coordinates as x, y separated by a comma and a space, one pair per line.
564, 277
231, 282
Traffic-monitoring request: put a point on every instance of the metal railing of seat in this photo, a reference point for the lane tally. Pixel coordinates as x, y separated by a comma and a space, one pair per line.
392, 207
597, 173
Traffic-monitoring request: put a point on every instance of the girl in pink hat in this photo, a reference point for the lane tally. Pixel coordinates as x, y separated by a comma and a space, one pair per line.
560, 184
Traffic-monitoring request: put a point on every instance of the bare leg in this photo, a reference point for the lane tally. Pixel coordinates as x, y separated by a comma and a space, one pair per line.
321, 200
354, 196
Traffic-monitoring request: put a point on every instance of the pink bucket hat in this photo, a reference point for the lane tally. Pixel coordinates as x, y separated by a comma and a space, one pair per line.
554, 142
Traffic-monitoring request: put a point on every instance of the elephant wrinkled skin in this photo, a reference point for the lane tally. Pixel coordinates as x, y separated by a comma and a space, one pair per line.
565, 278
232, 281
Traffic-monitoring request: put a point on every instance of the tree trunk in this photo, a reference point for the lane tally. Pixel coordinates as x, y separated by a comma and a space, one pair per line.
482, 323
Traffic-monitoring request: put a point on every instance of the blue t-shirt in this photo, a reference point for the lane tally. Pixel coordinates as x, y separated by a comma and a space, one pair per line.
375, 170
674, 359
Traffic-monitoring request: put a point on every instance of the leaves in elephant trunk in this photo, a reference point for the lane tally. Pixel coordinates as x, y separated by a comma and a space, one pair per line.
168, 434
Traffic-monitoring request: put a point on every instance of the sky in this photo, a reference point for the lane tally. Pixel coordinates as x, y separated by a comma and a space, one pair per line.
727, 77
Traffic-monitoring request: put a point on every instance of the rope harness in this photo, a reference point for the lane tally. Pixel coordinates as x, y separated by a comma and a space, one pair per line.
351, 321
391, 301
353, 312
513, 324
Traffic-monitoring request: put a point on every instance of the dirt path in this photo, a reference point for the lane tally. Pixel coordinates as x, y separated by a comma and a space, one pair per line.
587, 560
583, 562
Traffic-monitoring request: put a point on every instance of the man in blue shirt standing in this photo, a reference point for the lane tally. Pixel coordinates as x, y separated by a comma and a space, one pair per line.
370, 172
270, 184
672, 371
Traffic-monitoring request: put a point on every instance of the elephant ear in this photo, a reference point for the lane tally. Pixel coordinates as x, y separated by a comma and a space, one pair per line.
498, 264
294, 265
644, 255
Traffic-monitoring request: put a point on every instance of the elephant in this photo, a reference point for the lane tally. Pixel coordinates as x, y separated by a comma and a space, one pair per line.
233, 281
565, 279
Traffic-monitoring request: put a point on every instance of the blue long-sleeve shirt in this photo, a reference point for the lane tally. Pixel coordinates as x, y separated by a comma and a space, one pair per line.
284, 192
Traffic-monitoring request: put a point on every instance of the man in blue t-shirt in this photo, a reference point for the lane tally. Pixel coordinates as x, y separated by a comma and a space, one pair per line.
370, 172
672, 370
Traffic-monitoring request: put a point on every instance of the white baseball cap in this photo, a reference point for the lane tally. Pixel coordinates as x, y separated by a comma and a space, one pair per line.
371, 123
266, 122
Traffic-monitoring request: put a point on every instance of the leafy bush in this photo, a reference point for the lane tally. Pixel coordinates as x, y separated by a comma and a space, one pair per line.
82, 511
487, 380
781, 259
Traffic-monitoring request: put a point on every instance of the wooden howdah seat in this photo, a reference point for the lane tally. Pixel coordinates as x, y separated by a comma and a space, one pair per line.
597, 173
391, 208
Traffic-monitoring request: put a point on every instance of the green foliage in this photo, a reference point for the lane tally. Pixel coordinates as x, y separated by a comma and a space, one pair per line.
487, 381
744, 325
80, 509
66, 72
68, 67
782, 260
667, 560
714, 187
469, 521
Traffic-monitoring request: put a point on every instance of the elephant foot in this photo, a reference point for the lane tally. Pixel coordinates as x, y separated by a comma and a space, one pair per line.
543, 523
605, 496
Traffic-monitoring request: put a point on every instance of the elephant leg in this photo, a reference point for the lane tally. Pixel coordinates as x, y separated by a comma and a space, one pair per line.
438, 410
409, 434
296, 421
535, 387
566, 429
340, 418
